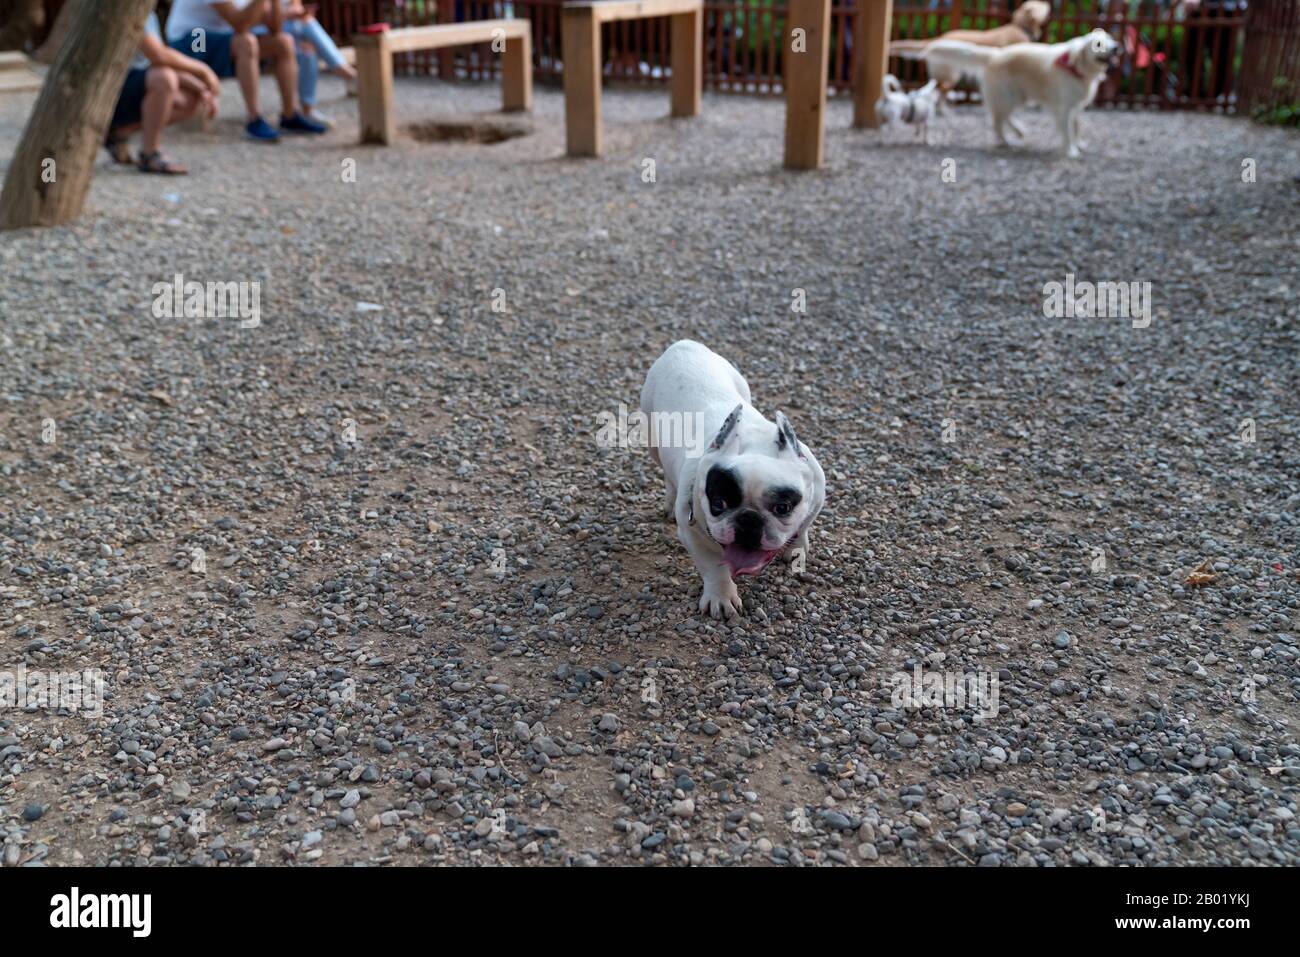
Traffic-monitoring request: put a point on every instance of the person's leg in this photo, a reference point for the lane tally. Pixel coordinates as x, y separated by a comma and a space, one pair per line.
279, 49
126, 115
308, 63
244, 48
308, 74
118, 143
161, 88
188, 99
316, 35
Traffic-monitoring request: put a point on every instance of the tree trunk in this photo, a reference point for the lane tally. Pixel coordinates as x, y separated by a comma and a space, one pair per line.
48, 50
49, 175
20, 20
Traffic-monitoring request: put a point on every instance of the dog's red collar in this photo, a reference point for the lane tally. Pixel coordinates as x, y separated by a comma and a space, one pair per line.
1063, 61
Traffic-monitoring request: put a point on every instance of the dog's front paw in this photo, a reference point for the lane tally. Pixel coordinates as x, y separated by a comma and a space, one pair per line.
721, 599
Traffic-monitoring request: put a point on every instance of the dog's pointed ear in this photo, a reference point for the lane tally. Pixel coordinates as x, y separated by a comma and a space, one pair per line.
728, 431
785, 437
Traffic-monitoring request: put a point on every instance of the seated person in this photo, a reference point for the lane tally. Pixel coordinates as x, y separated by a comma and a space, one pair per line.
162, 87
220, 33
313, 45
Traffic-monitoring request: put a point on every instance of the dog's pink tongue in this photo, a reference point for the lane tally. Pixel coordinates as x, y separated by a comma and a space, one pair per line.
745, 561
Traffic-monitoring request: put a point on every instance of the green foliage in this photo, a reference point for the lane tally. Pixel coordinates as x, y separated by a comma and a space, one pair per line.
1285, 109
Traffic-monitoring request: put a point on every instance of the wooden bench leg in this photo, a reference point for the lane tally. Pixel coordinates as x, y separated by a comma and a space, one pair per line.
517, 74
805, 83
375, 88
687, 62
871, 25
581, 51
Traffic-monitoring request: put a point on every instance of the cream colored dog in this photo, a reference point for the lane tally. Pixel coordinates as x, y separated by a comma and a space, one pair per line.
1026, 26
1062, 77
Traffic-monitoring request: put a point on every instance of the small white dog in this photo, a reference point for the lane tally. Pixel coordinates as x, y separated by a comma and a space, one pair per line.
742, 499
909, 109
1062, 77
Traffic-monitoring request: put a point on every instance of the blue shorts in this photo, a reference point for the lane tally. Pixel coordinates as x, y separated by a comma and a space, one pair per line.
216, 52
130, 100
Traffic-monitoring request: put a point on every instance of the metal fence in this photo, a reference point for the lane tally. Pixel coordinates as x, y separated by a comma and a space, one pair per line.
1224, 55
1270, 72
1173, 58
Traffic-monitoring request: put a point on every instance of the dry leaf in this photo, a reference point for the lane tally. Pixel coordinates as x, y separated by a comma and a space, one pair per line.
1201, 575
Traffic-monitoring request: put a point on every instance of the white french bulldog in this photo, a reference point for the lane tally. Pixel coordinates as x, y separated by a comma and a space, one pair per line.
750, 493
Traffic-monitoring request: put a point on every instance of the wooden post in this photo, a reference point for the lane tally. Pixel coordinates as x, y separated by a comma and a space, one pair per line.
375, 87
807, 57
581, 52
517, 73
871, 59
687, 62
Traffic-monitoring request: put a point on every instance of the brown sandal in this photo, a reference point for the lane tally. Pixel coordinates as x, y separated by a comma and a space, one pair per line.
157, 163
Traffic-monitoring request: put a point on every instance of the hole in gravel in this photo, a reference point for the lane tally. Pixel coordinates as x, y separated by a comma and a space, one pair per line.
471, 132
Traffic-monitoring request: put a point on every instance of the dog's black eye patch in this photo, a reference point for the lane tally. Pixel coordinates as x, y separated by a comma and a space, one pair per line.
782, 501
721, 488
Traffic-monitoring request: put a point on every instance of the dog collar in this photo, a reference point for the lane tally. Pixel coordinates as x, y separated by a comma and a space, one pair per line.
1063, 61
707, 530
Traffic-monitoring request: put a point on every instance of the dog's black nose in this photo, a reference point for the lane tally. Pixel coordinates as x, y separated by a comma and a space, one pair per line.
749, 530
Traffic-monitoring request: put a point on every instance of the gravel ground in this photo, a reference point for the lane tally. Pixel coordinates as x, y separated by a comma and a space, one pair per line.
351, 679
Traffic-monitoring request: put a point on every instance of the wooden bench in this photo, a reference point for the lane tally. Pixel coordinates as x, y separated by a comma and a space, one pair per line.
16, 75
582, 61
375, 66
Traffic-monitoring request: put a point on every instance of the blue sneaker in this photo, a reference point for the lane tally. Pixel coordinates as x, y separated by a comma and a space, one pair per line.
262, 131
301, 124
